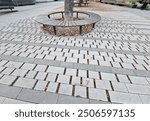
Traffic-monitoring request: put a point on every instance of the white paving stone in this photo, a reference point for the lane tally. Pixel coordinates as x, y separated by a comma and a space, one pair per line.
49, 57
51, 77
13, 64
40, 68
127, 65
41, 85
76, 80
72, 60
123, 78
97, 94
103, 84
52, 87
65, 89
8, 71
119, 87
80, 91
3, 62
108, 76
87, 82
82, 73
70, 71
57, 70
1, 68
28, 66
93, 74
63, 79
31, 74
19, 72
41, 75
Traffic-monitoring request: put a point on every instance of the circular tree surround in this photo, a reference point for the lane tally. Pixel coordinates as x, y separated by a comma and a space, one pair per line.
55, 23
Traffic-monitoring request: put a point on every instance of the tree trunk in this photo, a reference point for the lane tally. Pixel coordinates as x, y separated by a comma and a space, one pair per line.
80, 2
144, 6
69, 9
145, 3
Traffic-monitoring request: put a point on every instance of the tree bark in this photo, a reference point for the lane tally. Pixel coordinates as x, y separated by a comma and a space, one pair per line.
69, 9
145, 3
80, 2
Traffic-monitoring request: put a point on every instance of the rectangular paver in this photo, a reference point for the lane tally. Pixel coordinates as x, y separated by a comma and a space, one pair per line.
97, 94
126, 98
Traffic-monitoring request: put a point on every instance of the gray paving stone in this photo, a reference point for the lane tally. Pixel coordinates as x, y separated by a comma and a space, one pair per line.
7, 79
123, 71
65, 64
98, 102
145, 99
64, 99
148, 79
25, 83
142, 73
7, 91
84, 67
103, 69
25, 59
116, 43
138, 89
47, 62
13, 101
127, 98
37, 96
7, 57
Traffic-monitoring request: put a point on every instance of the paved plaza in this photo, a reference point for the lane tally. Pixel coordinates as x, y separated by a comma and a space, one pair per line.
109, 65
